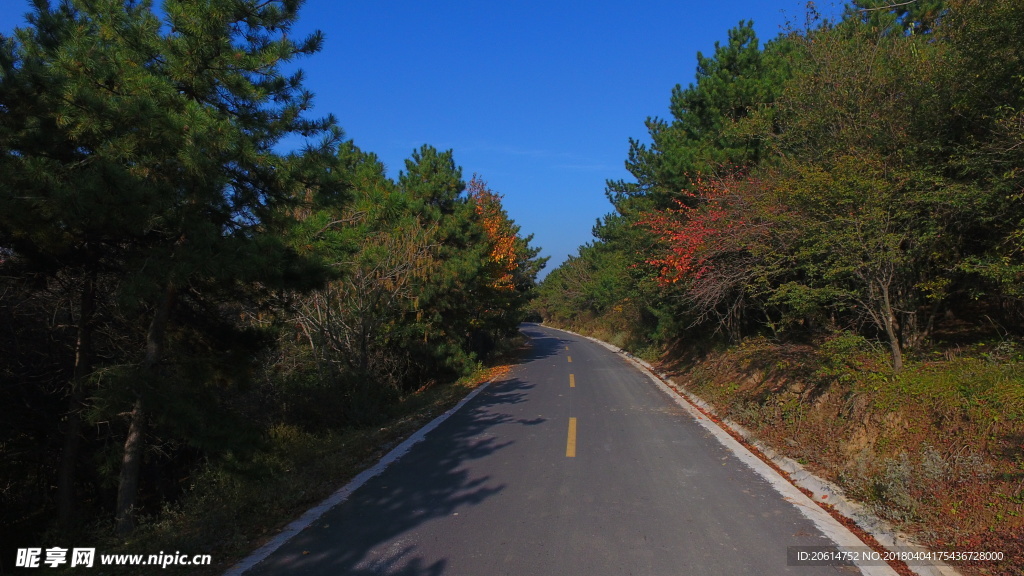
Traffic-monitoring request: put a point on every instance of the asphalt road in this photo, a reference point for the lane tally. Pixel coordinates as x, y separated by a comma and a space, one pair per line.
573, 464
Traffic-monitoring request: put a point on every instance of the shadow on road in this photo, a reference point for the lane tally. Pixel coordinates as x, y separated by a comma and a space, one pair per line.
542, 345
431, 481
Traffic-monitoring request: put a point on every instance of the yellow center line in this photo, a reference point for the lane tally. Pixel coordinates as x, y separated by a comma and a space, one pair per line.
570, 446
572, 381
570, 358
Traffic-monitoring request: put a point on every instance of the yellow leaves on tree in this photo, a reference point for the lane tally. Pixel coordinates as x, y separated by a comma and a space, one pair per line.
500, 231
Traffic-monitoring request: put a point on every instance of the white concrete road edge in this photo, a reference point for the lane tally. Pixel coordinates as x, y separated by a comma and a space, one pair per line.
823, 490
344, 492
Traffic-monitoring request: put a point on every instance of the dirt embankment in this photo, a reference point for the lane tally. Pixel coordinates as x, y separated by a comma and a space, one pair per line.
937, 450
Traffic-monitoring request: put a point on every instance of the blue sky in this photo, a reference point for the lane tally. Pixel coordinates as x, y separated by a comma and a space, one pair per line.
538, 97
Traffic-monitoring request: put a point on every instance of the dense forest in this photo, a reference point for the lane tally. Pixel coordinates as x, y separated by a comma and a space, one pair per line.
861, 175
179, 296
826, 238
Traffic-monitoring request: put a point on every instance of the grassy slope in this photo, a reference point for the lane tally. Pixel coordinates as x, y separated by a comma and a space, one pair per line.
938, 450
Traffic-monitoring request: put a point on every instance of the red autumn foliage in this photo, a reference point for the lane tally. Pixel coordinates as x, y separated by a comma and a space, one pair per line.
708, 222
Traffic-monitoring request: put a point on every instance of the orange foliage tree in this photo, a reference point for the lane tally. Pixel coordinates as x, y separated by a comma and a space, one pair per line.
502, 234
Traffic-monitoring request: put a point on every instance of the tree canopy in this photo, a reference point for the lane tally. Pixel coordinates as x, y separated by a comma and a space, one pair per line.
861, 174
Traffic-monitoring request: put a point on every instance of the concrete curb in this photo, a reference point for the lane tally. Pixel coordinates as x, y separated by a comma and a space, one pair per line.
822, 490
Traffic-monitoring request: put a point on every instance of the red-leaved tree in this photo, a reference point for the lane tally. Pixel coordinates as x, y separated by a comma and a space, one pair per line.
708, 248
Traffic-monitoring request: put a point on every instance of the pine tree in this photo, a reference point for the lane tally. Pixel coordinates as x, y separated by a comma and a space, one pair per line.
150, 146
446, 296
702, 137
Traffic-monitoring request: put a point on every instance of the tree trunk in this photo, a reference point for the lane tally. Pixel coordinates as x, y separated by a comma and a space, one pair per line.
73, 430
889, 322
128, 482
908, 330
131, 464
364, 346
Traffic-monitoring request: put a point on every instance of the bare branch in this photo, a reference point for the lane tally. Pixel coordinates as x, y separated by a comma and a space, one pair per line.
888, 7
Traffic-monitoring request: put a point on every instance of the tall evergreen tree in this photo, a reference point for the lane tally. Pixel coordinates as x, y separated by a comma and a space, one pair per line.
152, 143
447, 294
701, 136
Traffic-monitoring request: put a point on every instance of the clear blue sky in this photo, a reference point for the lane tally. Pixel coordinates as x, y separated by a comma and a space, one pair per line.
539, 97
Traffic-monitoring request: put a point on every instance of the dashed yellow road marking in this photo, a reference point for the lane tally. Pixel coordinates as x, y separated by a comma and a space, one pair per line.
570, 358
570, 446
572, 381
